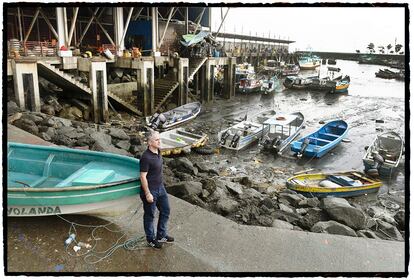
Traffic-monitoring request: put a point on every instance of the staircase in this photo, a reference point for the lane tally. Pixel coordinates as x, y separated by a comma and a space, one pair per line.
194, 65
67, 82
163, 89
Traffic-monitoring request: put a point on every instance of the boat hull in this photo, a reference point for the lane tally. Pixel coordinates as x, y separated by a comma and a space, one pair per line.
104, 208
310, 185
389, 145
45, 180
321, 141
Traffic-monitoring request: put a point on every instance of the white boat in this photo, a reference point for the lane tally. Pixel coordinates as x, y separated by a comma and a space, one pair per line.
240, 135
309, 62
280, 129
177, 141
174, 117
384, 154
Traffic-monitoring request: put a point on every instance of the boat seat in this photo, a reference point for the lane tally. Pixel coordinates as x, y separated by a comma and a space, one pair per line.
89, 174
330, 134
319, 139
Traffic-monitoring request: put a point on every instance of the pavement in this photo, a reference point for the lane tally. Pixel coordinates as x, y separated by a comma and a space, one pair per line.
207, 242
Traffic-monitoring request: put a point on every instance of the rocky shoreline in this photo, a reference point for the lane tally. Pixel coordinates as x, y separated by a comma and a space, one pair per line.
212, 184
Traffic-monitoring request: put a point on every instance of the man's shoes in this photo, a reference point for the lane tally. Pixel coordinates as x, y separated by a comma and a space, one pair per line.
167, 239
155, 244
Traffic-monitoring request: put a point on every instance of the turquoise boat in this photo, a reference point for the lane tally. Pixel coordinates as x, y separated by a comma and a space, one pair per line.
318, 143
47, 180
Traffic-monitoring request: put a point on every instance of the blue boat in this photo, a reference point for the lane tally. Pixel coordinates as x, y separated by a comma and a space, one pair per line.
43, 180
318, 143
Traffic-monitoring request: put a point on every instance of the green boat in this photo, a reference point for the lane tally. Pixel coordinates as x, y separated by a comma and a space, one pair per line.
45, 180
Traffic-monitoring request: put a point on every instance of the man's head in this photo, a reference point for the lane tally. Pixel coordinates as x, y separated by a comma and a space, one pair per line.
153, 139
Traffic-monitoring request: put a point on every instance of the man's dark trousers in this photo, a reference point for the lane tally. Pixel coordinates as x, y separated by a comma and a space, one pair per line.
161, 202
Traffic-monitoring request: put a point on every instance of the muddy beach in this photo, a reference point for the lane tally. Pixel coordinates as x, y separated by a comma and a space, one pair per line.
253, 181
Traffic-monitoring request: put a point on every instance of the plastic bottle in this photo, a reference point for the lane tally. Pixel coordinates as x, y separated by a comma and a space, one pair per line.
70, 239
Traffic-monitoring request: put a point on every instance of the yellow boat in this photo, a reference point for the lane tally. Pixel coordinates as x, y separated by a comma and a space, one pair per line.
338, 184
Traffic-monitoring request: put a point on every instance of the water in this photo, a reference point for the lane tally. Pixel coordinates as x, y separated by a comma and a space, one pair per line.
364, 82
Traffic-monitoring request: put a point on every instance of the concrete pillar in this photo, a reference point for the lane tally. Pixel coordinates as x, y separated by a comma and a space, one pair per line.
230, 78
119, 28
26, 84
202, 83
60, 21
182, 80
207, 84
154, 30
196, 82
145, 84
98, 85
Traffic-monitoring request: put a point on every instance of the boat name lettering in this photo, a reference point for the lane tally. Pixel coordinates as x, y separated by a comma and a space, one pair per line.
32, 211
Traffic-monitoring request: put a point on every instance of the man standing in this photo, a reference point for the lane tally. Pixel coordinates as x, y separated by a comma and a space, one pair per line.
153, 193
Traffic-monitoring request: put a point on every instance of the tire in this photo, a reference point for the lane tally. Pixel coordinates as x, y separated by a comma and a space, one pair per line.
205, 150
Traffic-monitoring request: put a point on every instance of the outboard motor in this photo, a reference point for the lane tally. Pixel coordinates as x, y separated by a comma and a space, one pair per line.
157, 120
276, 142
303, 147
224, 137
235, 139
378, 161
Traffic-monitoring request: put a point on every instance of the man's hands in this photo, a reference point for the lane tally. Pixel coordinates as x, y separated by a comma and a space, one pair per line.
149, 197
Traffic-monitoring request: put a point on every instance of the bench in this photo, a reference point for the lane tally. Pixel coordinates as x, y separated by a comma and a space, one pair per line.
330, 134
319, 139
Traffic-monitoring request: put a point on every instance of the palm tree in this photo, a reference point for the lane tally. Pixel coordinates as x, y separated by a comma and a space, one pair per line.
398, 47
389, 48
371, 47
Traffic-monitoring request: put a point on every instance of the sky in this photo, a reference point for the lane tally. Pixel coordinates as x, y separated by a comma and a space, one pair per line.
341, 29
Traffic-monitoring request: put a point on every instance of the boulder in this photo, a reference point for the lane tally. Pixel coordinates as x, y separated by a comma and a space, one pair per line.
183, 176
101, 137
265, 210
45, 136
12, 108
340, 210
123, 144
265, 220
302, 211
282, 224
313, 216
250, 192
85, 141
399, 217
293, 199
48, 122
102, 146
135, 140
366, 233
286, 216
285, 208
183, 164
203, 167
226, 205
389, 230
118, 133
27, 125
309, 202
210, 184
333, 227
32, 117
48, 109
268, 202
246, 181
63, 121
217, 194
382, 214
185, 188
234, 188
67, 131
61, 139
